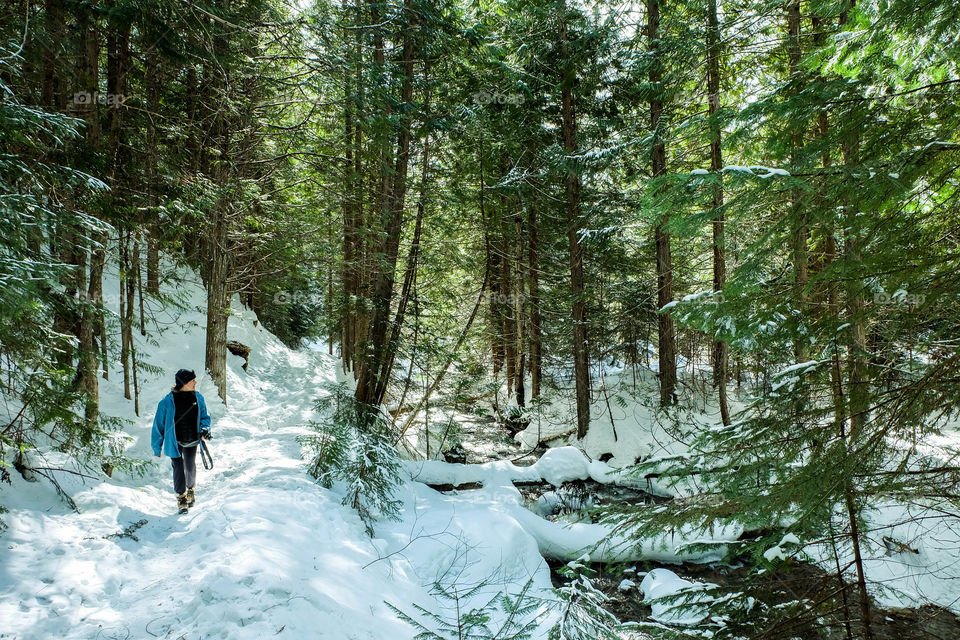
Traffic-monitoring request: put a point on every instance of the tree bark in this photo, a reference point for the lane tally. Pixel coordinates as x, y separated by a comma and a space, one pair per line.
799, 239
151, 158
216, 236
666, 340
131, 284
125, 333
358, 320
508, 334
578, 314
91, 316
373, 379
349, 273
51, 92
98, 257
858, 375
218, 299
493, 272
89, 72
413, 255
518, 313
533, 260
720, 348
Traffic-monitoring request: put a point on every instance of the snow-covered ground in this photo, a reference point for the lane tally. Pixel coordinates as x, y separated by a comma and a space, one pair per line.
265, 551
268, 552
912, 550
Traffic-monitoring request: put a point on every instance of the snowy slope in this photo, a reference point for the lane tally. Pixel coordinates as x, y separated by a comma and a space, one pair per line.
265, 551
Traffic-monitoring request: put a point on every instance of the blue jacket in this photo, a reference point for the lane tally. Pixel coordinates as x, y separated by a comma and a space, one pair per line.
163, 428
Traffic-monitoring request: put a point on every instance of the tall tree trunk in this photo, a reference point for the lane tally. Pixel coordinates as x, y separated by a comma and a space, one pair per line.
720, 348
518, 314
87, 353
98, 257
91, 316
349, 233
373, 379
151, 72
131, 283
413, 255
359, 319
799, 240
139, 283
493, 272
118, 68
505, 308
125, 333
509, 274
491, 269
829, 297
581, 370
89, 72
533, 260
217, 232
62, 241
52, 90
858, 375
666, 340
349, 258
218, 298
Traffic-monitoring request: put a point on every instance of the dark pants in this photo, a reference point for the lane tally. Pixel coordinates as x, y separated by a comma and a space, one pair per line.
184, 470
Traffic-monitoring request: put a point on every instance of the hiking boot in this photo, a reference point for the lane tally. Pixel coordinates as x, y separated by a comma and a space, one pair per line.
190, 497
182, 503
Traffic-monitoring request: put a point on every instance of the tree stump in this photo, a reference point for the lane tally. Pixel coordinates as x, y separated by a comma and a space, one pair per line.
238, 349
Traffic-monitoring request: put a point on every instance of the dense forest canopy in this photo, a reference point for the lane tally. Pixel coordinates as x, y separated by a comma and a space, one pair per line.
747, 206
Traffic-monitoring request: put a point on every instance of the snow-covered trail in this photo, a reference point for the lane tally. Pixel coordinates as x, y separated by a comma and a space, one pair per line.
264, 551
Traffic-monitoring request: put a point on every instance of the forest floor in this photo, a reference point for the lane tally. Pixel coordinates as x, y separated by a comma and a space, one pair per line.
267, 552
798, 580
802, 580
907, 580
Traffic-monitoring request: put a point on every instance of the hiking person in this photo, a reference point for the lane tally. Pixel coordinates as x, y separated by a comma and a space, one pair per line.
178, 426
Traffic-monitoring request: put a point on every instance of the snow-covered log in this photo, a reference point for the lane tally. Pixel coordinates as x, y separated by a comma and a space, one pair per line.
555, 467
558, 540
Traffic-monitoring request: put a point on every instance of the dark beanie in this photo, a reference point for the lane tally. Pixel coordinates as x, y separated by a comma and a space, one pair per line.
184, 376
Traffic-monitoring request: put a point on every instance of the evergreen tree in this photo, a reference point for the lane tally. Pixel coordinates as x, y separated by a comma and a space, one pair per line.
820, 444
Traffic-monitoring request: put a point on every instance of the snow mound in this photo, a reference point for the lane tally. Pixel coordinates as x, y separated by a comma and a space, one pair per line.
673, 599
563, 464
